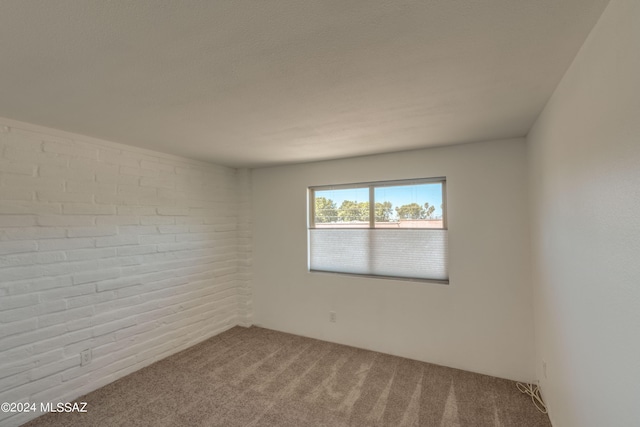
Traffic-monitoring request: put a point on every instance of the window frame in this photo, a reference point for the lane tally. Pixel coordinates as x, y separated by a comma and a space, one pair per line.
372, 185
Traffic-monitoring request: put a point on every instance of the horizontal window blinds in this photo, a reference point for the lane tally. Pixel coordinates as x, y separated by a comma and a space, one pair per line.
405, 253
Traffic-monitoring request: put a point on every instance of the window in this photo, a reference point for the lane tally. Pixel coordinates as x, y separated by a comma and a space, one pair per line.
392, 229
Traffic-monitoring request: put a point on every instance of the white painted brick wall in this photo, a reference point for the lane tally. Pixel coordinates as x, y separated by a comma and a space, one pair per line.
127, 252
245, 252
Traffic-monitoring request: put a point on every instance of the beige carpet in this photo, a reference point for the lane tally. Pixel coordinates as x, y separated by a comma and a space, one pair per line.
259, 377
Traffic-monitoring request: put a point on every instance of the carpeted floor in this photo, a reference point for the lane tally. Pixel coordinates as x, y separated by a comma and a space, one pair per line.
259, 377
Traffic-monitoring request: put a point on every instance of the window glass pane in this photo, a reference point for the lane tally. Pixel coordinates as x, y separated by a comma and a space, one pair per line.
409, 206
347, 207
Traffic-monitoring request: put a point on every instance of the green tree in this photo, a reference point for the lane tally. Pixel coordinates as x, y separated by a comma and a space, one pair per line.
363, 208
429, 210
326, 210
383, 211
353, 211
411, 211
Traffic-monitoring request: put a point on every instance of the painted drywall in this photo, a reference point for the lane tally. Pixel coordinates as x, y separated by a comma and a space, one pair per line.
482, 321
129, 253
267, 82
584, 157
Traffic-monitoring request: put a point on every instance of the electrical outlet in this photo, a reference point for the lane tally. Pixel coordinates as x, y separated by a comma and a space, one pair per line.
332, 316
85, 357
544, 369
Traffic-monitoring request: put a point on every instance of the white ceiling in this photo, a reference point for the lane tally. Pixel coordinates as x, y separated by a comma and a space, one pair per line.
257, 83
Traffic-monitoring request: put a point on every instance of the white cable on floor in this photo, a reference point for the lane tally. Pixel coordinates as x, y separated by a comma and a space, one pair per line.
534, 392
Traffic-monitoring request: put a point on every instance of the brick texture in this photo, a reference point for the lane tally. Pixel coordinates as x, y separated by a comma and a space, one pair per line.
130, 253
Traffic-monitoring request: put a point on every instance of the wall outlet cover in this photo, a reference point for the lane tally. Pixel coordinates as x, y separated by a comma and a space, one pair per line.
85, 357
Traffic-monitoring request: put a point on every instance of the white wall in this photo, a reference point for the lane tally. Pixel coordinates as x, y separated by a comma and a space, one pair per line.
584, 156
130, 253
482, 321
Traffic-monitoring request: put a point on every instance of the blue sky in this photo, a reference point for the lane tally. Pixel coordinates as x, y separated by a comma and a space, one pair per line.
397, 195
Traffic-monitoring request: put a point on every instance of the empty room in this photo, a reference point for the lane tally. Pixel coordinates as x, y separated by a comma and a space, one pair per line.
320, 213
